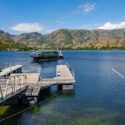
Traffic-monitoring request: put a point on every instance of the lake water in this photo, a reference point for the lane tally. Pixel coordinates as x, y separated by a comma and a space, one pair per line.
99, 93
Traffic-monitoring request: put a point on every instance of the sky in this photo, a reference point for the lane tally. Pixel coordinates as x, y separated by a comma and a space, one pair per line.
45, 16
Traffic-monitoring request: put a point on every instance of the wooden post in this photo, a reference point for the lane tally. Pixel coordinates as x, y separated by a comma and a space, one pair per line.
59, 86
14, 80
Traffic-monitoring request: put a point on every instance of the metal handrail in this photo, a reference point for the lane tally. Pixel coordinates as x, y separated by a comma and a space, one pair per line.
14, 82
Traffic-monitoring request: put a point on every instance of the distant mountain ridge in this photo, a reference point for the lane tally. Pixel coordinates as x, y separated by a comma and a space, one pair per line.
72, 39
5, 34
7, 43
33, 37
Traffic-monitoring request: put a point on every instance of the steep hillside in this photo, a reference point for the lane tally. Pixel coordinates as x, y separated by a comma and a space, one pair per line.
28, 38
78, 39
72, 39
8, 44
75, 39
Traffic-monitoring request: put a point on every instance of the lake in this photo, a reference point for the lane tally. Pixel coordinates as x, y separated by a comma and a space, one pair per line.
99, 93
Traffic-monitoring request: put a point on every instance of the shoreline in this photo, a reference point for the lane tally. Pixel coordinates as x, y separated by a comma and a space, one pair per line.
62, 50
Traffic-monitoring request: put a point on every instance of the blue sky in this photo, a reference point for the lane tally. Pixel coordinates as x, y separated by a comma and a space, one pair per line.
18, 16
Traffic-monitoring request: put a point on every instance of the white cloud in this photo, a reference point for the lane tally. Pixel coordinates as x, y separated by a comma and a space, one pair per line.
60, 20
85, 8
111, 26
28, 27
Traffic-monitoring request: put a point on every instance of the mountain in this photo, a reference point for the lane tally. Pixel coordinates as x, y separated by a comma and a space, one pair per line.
75, 39
72, 39
5, 34
6, 42
83, 39
28, 38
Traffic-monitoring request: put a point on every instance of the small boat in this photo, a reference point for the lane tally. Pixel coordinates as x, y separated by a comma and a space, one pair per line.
47, 55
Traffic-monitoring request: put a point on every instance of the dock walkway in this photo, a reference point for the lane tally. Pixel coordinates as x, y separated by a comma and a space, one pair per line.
17, 82
7, 71
63, 77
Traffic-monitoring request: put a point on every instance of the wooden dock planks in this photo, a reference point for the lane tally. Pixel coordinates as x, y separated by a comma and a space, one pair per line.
64, 75
10, 70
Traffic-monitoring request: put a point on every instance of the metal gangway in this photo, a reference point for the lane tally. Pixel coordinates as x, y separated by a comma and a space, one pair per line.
11, 86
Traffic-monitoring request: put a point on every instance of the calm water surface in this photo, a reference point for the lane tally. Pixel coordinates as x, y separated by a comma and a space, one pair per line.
99, 97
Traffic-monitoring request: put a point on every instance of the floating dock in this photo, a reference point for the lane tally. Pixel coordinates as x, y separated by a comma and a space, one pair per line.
65, 77
33, 83
12, 69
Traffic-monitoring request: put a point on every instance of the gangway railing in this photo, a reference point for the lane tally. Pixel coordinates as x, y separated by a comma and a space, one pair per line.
12, 85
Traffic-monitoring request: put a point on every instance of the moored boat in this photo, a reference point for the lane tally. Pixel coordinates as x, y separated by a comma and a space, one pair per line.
47, 55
